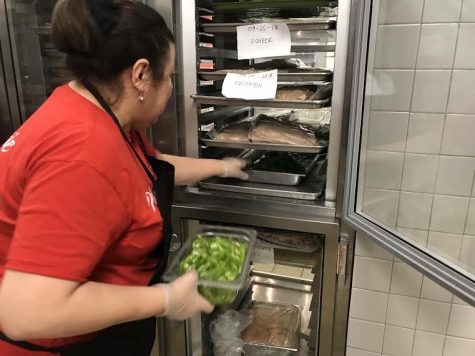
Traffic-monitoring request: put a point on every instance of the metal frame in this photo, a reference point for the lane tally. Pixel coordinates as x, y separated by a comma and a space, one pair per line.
461, 285
338, 97
6, 126
278, 220
8, 67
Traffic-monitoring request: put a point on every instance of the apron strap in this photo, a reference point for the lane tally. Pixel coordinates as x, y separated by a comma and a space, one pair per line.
92, 89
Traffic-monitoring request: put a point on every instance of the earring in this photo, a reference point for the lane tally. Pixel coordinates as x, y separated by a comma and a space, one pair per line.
141, 98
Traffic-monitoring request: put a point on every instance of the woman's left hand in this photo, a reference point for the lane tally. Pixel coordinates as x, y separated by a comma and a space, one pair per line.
233, 168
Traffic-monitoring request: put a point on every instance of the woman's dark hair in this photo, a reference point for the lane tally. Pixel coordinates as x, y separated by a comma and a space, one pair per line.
101, 38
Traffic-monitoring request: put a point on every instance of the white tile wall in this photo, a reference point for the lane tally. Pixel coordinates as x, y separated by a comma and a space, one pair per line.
381, 205
421, 319
428, 344
405, 280
462, 322
459, 347
458, 134
433, 291
437, 46
462, 92
401, 11
455, 175
398, 341
468, 11
387, 131
372, 274
465, 50
470, 223
414, 210
431, 90
369, 305
383, 169
467, 254
419, 173
442, 10
366, 248
418, 236
425, 133
392, 90
365, 335
448, 214
396, 46
350, 351
445, 245
402, 311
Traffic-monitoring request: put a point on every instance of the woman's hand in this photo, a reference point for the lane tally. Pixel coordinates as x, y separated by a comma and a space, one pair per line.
182, 299
233, 168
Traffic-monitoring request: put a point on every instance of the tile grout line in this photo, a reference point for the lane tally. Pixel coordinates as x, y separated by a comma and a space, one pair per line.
387, 305
409, 116
448, 99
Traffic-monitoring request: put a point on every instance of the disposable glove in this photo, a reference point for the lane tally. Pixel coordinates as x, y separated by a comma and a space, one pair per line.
233, 168
182, 299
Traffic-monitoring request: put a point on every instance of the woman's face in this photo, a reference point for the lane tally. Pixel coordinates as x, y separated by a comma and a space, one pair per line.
156, 95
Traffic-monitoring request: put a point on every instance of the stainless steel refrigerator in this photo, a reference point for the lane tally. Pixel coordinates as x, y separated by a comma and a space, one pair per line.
306, 226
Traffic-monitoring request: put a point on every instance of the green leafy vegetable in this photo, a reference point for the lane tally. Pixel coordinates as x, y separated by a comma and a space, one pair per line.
216, 258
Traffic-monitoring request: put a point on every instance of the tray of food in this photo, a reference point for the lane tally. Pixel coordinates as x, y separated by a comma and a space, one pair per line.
273, 330
221, 257
290, 75
310, 24
266, 132
276, 167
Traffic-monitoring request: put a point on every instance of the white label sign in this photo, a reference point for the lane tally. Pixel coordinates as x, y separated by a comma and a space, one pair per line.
262, 85
263, 40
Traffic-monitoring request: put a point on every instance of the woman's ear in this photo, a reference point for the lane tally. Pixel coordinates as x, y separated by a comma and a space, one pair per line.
140, 74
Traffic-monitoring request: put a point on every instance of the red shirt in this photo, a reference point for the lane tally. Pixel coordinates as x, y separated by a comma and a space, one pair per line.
74, 201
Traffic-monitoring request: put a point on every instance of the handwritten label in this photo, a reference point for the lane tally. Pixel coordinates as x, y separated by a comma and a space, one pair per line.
262, 85
263, 40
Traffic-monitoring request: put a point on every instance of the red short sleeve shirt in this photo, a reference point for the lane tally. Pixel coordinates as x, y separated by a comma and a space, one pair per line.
75, 202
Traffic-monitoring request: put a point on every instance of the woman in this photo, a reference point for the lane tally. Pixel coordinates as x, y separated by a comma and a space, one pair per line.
85, 204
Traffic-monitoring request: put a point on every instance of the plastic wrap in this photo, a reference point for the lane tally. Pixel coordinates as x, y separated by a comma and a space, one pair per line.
226, 330
274, 325
281, 130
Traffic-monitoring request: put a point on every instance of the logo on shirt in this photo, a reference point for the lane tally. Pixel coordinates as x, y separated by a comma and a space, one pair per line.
9, 143
150, 198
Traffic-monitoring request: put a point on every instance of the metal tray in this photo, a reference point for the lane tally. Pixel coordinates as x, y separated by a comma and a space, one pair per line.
280, 178
314, 24
296, 104
263, 146
290, 75
291, 329
296, 48
311, 188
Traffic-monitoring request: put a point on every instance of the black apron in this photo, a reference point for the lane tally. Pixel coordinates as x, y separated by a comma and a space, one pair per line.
134, 338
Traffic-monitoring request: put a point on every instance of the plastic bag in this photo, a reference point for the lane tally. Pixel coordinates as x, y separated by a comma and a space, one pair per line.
226, 332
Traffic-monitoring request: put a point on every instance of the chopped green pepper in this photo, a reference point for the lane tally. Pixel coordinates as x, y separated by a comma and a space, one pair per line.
216, 258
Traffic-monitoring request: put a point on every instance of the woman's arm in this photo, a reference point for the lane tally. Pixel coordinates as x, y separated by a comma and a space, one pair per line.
190, 170
38, 307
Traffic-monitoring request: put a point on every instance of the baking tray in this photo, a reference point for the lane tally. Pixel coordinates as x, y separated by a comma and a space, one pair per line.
280, 178
274, 103
296, 48
290, 330
311, 188
290, 75
263, 146
281, 4
311, 25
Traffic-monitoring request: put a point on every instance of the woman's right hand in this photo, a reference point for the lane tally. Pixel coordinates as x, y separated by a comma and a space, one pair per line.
182, 299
